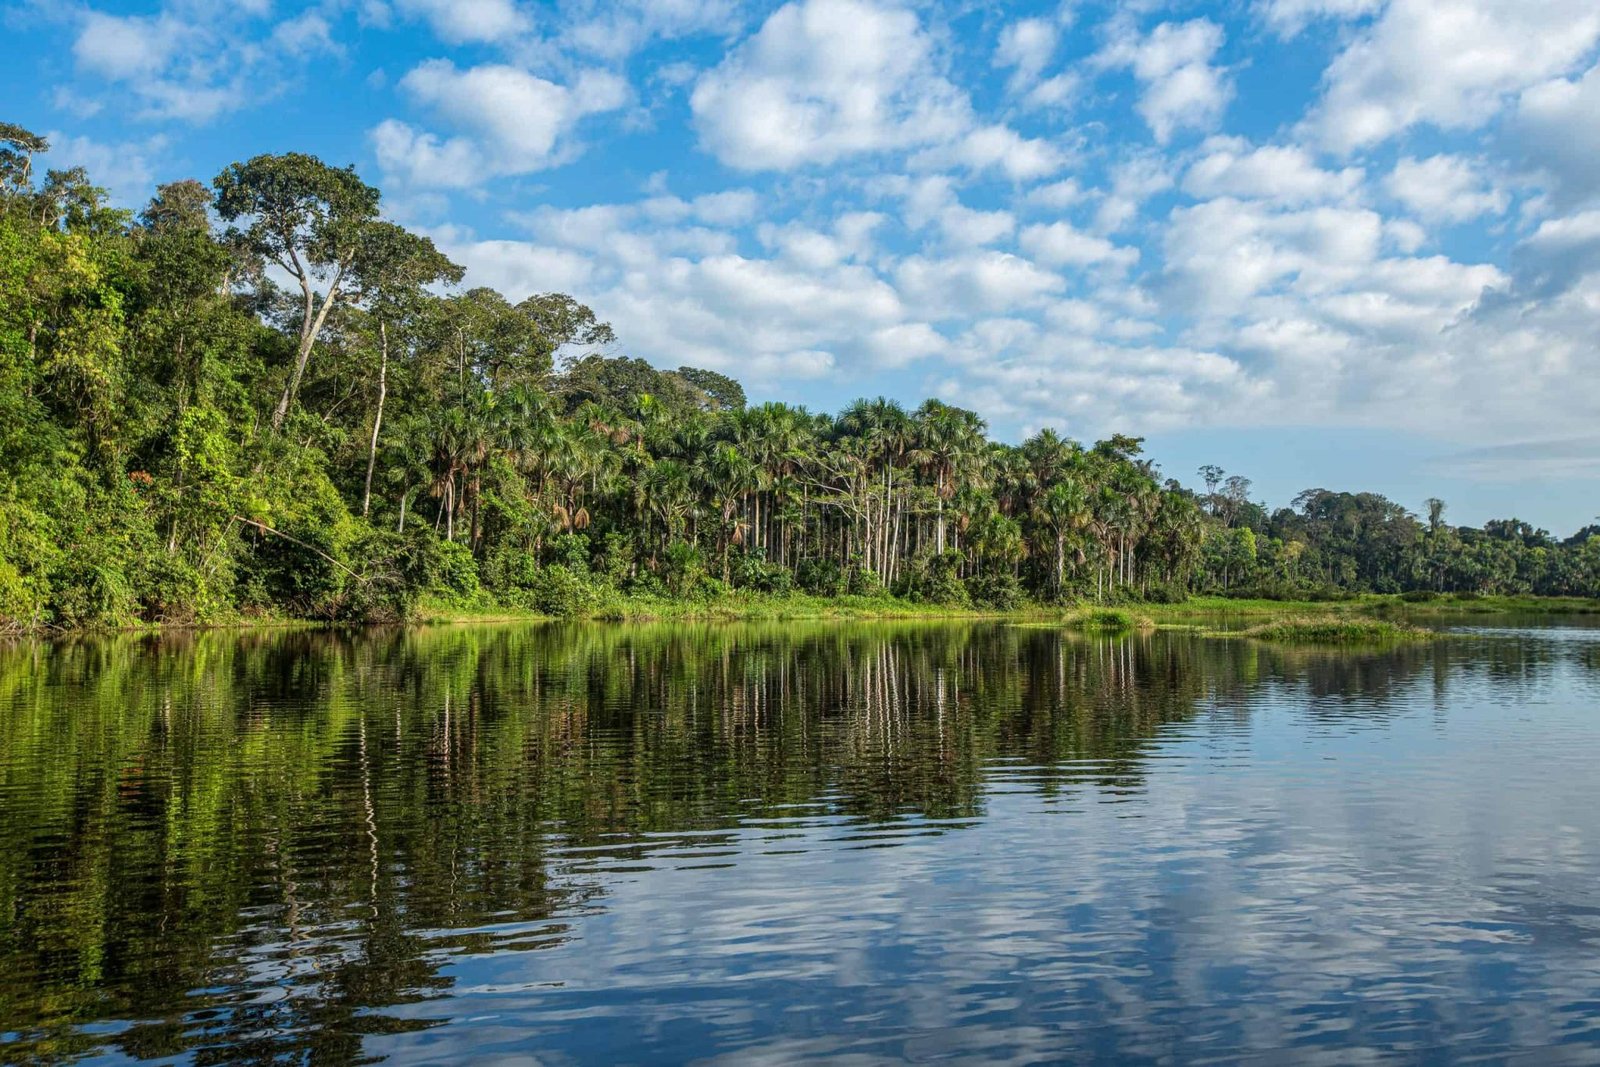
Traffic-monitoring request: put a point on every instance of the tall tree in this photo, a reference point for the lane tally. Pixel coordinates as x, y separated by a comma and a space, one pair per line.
310, 220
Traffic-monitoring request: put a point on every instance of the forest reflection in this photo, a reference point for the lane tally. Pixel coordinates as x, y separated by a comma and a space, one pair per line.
249, 846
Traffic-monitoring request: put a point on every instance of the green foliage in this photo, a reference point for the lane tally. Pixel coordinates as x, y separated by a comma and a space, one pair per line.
457, 575
1337, 632
685, 570
752, 570
181, 440
563, 591
936, 578
996, 591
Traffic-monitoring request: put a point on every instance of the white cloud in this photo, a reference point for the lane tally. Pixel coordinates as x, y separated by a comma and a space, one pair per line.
1444, 188
1058, 244
1447, 62
1223, 252
933, 201
1181, 89
306, 34
1054, 92
987, 282
1557, 127
617, 29
1404, 235
470, 21
1026, 46
996, 148
512, 122
1057, 195
128, 170
122, 47
1289, 17
1285, 173
1133, 181
824, 80
194, 64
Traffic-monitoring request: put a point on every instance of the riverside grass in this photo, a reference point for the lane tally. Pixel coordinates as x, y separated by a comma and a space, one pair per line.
1208, 615
1338, 631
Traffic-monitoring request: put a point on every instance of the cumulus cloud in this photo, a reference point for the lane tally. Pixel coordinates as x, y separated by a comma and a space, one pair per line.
618, 28
997, 149
1230, 166
470, 21
1025, 47
1449, 63
121, 47
1180, 87
193, 66
1289, 17
128, 169
1556, 128
823, 80
511, 122
1059, 244
1444, 188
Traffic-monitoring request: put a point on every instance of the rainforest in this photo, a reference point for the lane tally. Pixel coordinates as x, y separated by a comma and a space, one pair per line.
258, 398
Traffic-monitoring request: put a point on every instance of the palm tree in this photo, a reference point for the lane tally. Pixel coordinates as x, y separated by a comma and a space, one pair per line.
949, 441
1062, 510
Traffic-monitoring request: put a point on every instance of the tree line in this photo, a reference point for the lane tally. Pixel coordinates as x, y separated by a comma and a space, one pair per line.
261, 396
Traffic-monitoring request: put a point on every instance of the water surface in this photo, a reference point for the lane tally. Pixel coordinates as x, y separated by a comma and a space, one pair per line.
600, 844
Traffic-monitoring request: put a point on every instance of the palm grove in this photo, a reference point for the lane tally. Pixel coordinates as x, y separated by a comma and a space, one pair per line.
262, 397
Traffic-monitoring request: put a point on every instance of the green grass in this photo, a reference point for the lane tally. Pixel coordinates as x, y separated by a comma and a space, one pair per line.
1340, 621
1110, 620
790, 606
1336, 631
1370, 604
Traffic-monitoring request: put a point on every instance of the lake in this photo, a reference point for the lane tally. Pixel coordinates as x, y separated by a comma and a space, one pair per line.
772, 842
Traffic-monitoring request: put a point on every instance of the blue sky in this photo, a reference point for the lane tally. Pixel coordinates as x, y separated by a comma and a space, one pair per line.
1352, 244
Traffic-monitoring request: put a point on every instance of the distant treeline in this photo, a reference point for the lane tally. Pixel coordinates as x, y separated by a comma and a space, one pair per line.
259, 396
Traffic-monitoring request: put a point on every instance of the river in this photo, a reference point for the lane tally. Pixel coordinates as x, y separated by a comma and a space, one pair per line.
772, 842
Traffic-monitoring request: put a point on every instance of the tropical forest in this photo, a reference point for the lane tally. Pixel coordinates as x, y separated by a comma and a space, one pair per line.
258, 398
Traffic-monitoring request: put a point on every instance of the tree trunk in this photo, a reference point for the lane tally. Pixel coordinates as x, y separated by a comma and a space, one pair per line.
377, 419
309, 329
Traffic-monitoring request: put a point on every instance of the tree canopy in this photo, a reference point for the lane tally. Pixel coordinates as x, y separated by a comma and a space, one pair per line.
262, 396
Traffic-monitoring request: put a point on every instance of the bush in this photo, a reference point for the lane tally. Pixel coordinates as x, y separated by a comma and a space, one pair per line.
999, 590
936, 578
752, 570
171, 589
510, 574
615, 559
822, 577
91, 593
1166, 593
561, 591
570, 550
684, 570
456, 576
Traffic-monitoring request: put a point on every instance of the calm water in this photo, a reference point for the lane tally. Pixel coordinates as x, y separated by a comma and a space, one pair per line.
600, 844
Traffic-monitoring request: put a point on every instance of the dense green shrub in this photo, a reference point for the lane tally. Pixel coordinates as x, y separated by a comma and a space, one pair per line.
561, 591
752, 570
822, 576
936, 579
996, 590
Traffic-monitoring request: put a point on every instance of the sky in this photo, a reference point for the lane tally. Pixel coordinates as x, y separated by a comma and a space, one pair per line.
1348, 244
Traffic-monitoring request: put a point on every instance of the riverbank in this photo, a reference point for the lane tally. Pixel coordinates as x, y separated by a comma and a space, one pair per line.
1215, 614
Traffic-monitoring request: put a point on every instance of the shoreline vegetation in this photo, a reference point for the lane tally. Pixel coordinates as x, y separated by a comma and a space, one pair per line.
259, 402
1368, 620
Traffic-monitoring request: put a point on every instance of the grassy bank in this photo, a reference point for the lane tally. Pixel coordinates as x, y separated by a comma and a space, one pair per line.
1372, 604
1335, 630
1366, 617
